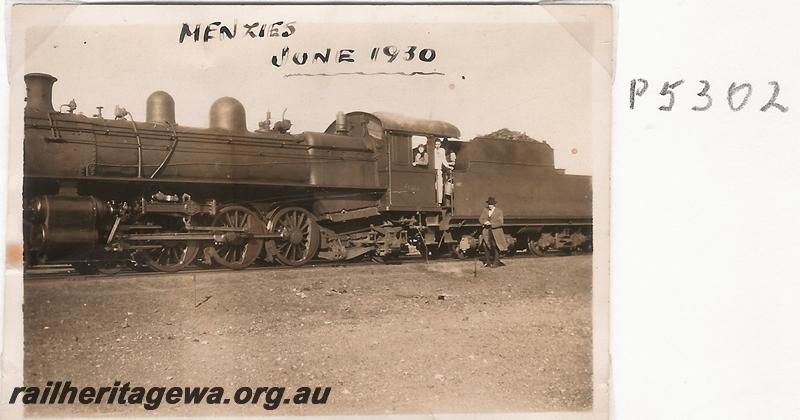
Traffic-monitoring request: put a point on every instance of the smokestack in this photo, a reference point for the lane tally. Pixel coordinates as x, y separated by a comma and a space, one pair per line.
39, 92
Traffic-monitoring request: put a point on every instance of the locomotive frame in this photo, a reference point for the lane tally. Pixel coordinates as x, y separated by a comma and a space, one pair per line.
163, 196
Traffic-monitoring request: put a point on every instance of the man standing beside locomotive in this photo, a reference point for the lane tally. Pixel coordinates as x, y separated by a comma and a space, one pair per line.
439, 163
492, 236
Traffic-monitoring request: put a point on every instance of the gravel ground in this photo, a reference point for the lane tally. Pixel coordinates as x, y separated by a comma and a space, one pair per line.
411, 338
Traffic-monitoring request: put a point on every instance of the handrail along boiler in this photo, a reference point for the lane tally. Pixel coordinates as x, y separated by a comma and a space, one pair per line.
100, 192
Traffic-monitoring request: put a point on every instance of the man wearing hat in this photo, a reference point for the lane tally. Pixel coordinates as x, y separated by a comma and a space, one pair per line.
492, 236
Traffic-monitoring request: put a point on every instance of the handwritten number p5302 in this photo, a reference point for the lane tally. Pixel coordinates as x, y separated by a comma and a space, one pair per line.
738, 95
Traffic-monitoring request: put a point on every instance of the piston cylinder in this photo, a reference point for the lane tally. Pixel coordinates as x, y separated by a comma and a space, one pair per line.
66, 227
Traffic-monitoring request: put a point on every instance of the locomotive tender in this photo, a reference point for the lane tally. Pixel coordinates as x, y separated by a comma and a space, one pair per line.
100, 193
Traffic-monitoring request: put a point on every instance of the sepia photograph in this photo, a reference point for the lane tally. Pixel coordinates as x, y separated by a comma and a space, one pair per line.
308, 210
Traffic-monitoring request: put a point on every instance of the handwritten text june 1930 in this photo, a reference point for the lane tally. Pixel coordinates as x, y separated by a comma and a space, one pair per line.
389, 54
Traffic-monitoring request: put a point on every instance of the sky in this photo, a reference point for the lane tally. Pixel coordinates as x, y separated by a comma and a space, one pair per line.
542, 71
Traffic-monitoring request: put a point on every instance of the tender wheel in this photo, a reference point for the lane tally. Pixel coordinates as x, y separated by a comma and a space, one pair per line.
457, 252
534, 248
391, 258
236, 250
171, 257
511, 251
438, 252
299, 231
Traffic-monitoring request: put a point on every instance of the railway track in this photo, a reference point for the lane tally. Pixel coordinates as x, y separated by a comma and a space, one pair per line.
62, 272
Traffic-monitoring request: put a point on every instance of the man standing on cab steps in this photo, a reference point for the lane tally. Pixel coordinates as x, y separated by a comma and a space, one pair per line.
492, 236
440, 163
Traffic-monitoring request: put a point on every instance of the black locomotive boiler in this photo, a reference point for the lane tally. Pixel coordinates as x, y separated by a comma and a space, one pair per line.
101, 192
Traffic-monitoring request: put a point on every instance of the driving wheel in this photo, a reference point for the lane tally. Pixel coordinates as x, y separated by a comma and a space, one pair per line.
171, 256
236, 248
299, 241
534, 247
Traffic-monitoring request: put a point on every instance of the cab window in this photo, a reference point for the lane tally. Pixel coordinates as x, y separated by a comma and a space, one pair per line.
419, 152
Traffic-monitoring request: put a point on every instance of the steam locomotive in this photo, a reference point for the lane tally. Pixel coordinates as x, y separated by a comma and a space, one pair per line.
101, 193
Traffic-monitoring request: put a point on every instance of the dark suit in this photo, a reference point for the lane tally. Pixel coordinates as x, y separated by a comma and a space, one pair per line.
492, 237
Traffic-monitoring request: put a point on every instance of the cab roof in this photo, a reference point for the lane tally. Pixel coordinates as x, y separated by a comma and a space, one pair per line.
397, 122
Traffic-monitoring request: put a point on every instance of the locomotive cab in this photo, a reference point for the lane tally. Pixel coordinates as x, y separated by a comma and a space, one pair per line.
408, 187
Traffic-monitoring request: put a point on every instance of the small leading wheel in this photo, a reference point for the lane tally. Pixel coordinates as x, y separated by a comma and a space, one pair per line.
103, 262
534, 247
85, 268
237, 250
171, 256
299, 241
110, 267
